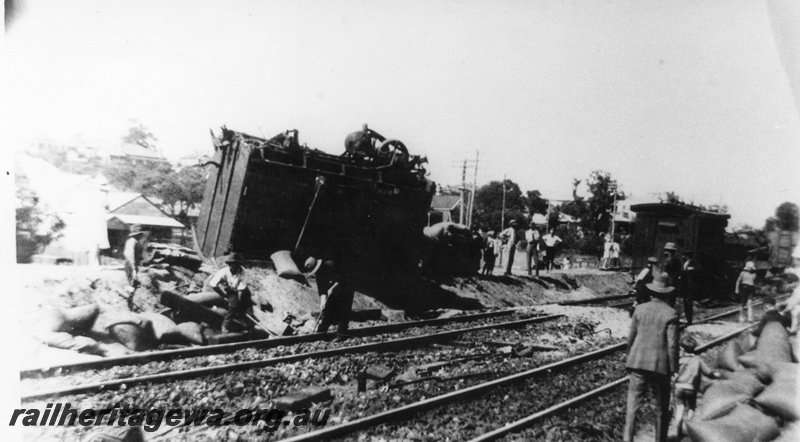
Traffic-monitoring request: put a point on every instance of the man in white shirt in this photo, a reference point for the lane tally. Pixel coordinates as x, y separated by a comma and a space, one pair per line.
532, 250
550, 242
229, 283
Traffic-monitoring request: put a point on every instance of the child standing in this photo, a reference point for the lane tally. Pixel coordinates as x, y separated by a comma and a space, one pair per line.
687, 384
745, 288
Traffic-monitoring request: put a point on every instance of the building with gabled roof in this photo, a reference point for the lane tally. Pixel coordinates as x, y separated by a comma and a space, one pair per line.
442, 208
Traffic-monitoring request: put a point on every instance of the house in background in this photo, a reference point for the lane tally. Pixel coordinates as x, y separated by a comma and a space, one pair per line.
444, 208
137, 154
126, 209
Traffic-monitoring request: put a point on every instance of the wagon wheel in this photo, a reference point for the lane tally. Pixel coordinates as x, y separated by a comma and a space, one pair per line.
394, 151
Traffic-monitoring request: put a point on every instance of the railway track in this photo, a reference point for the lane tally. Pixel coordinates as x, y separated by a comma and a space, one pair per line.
424, 396
494, 395
394, 343
144, 357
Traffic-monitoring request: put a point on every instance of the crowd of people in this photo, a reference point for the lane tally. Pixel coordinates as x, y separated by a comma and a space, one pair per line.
540, 249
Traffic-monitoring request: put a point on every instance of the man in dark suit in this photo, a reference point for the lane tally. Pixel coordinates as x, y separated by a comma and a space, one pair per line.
652, 356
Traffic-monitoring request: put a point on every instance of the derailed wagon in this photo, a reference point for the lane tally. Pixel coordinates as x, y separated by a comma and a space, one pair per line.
265, 195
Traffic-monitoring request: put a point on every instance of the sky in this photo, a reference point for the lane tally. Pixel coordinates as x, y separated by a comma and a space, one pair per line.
679, 95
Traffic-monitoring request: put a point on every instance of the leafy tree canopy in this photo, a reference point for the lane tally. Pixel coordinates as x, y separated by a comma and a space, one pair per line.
140, 135
36, 228
489, 204
787, 217
535, 202
178, 191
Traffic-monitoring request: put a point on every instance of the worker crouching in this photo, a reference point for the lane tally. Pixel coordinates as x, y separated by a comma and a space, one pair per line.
229, 283
336, 292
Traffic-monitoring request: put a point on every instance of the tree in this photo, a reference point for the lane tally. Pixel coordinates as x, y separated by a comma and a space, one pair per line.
489, 204
672, 198
602, 190
36, 228
177, 191
535, 203
578, 207
139, 134
787, 217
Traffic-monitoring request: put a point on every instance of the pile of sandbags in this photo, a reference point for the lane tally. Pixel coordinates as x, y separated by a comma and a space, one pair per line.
757, 395
145, 331
65, 329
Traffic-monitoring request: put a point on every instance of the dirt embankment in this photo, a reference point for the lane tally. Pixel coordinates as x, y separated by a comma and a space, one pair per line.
44, 287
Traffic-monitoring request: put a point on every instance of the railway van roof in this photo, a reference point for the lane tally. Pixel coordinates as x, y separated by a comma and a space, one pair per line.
676, 209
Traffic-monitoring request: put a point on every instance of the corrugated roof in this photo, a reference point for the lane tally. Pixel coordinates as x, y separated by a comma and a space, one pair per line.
445, 201
146, 220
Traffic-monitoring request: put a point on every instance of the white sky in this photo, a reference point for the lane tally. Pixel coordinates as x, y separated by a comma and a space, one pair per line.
676, 95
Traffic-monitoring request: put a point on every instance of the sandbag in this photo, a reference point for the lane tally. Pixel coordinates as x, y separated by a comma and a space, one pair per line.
727, 357
192, 332
75, 321
746, 378
722, 397
161, 324
79, 320
207, 299
285, 265
773, 344
134, 332
746, 342
794, 343
66, 341
780, 397
767, 371
742, 424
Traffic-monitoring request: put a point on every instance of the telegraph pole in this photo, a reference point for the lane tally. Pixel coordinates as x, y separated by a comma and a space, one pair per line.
503, 212
463, 187
613, 186
472, 195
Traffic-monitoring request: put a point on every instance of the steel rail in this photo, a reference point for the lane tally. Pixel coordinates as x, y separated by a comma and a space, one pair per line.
410, 409
141, 358
530, 420
736, 310
401, 412
227, 368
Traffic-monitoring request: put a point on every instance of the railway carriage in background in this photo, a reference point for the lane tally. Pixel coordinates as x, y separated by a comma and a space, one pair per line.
690, 228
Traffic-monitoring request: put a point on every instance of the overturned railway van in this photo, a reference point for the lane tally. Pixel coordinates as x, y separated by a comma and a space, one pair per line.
691, 229
369, 203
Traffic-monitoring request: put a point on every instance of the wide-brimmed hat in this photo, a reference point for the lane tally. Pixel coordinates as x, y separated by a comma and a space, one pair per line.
652, 260
750, 265
234, 258
136, 229
312, 265
670, 246
660, 284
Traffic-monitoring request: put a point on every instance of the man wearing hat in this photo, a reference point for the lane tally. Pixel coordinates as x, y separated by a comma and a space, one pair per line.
640, 283
336, 293
229, 283
690, 271
746, 288
511, 236
672, 266
132, 253
652, 356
